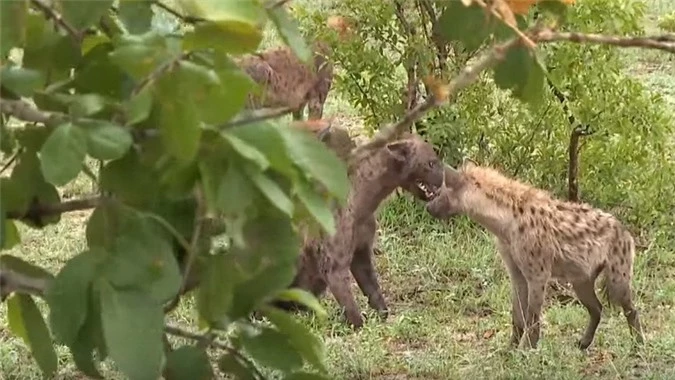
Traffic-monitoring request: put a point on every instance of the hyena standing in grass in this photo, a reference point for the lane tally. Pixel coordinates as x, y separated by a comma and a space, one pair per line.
286, 81
540, 237
329, 262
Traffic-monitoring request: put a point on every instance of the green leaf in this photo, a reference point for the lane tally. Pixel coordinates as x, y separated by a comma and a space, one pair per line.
130, 180
22, 82
303, 297
9, 234
104, 224
247, 151
83, 105
107, 141
266, 138
289, 32
25, 268
133, 325
217, 95
136, 15
231, 364
26, 321
97, 73
235, 26
89, 338
179, 119
12, 25
63, 153
81, 14
320, 162
28, 185
464, 24
144, 259
68, 296
316, 206
272, 349
139, 106
523, 73
140, 55
48, 51
271, 191
188, 363
214, 296
300, 336
252, 292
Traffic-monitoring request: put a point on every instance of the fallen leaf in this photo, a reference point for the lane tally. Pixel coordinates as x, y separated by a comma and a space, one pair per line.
489, 334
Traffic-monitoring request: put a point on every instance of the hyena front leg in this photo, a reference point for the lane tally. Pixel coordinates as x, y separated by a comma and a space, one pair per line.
364, 272
519, 293
536, 290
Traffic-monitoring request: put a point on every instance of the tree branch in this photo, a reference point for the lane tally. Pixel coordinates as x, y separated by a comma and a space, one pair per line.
256, 116
37, 211
657, 42
26, 112
50, 13
14, 282
465, 78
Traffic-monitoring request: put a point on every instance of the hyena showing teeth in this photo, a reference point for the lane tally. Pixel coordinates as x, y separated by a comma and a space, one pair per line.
328, 261
540, 237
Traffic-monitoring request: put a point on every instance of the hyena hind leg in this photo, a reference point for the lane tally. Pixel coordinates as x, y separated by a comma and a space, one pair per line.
586, 294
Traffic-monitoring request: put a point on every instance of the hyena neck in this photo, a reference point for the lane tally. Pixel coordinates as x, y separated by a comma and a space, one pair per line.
493, 216
374, 179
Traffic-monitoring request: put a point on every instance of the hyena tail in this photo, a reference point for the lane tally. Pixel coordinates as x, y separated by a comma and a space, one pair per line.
618, 271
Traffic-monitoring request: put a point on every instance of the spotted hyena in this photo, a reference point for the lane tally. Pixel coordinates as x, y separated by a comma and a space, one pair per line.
540, 237
327, 261
285, 81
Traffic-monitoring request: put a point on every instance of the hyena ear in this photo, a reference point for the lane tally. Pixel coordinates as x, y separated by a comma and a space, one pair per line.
451, 177
400, 150
468, 163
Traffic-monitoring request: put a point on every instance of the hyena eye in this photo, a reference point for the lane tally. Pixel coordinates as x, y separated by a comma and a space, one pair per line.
431, 164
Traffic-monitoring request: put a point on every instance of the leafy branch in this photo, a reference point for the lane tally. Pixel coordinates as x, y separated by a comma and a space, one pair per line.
52, 14
465, 78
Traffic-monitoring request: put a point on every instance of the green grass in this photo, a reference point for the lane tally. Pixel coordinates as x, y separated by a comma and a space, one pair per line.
449, 300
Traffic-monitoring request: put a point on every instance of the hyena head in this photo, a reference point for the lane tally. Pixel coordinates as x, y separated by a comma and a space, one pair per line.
419, 168
448, 200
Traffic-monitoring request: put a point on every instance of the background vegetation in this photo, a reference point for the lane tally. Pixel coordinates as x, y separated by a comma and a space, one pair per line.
446, 286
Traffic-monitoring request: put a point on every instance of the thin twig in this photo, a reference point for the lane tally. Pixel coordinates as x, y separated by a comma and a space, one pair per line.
657, 42
256, 116
11, 160
58, 19
158, 72
175, 13
200, 212
37, 211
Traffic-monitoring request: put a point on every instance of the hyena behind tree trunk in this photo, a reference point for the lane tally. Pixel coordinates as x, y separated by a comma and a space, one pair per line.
285, 81
326, 261
540, 237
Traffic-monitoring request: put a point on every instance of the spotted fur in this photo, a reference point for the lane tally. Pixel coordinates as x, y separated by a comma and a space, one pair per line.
540, 237
286, 81
327, 261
